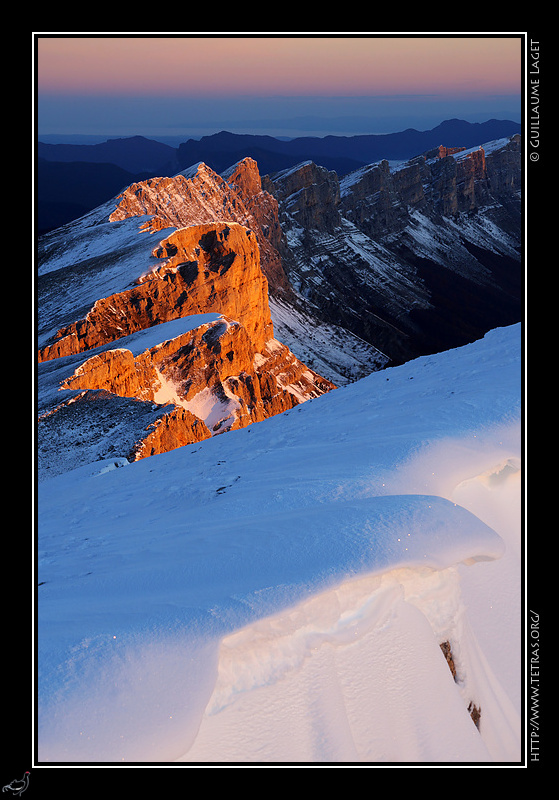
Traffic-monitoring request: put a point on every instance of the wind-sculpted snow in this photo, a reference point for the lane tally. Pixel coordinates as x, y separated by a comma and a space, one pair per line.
280, 593
218, 580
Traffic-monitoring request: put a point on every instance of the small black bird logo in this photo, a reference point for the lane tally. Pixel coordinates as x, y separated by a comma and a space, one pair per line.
17, 787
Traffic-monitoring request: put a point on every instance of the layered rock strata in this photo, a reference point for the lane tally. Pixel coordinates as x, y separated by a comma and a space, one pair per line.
310, 195
195, 197
200, 196
213, 377
212, 371
412, 257
201, 269
206, 381
445, 181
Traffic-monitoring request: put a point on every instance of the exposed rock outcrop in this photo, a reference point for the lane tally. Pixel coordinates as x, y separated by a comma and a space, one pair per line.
263, 218
115, 371
202, 268
210, 378
412, 257
445, 181
310, 194
200, 196
473, 710
95, 424
174, 428
207, 380
216, 360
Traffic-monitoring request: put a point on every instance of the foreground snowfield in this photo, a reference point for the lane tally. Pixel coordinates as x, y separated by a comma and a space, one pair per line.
279, 594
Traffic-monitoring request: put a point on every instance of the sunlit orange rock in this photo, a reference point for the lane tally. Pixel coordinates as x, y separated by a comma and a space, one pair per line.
221, 375
205, 268
203, 197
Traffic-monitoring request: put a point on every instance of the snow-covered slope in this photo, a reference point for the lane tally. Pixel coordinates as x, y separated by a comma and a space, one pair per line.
280, 593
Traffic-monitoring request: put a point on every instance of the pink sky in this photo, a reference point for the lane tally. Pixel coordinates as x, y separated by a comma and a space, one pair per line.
327, 66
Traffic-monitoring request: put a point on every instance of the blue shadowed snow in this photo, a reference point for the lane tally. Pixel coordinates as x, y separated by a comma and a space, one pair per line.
145, 569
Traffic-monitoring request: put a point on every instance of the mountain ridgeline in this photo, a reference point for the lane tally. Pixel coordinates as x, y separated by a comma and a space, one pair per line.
75, 178
190, 304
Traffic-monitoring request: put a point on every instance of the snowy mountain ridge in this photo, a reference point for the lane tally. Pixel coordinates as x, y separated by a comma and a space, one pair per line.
337, 577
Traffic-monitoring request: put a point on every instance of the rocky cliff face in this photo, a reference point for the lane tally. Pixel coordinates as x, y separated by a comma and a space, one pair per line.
209, 378
442, 183
310, 194
412, 257
159, 206
199, 269
201, 196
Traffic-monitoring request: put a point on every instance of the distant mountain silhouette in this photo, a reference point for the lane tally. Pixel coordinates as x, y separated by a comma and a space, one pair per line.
222, 150
341, 153
74, 178
134, 154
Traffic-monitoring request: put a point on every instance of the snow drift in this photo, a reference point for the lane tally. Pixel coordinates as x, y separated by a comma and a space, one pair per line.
280, 594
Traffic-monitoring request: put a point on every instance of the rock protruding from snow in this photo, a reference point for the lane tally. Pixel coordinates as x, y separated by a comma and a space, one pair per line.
199, 269
207, 376
199, 196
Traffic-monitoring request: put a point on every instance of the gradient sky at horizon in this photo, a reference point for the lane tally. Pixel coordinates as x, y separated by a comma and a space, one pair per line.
112, 84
